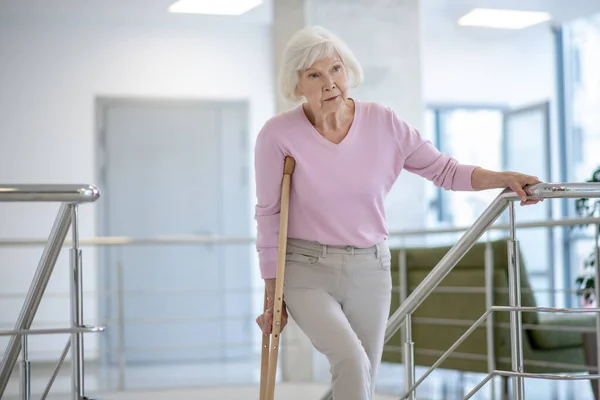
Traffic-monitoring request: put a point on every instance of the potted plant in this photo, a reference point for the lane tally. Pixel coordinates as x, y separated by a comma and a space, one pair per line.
586, 281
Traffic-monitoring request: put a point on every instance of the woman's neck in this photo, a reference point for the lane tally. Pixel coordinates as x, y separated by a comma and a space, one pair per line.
333, 121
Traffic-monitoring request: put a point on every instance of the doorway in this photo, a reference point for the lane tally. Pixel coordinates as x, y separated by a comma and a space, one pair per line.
174, 168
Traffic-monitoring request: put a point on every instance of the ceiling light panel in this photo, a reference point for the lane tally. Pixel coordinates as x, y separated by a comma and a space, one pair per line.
214, 7
503, 19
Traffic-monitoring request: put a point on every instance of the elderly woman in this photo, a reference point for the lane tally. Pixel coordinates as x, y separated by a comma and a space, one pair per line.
348, 154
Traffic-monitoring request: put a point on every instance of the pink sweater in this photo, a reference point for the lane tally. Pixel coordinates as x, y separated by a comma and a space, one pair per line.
337, 191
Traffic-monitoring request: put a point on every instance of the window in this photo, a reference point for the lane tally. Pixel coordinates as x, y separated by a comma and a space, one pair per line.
472, 136
581, 133
584, 44
498, 139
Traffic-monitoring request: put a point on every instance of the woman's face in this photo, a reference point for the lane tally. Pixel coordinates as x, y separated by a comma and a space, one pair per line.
324, 84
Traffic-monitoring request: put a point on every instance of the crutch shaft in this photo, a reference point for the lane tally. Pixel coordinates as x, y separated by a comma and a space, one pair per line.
273, 346
264, 361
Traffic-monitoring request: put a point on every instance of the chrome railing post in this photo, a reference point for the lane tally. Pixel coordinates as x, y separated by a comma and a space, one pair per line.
597, 293
409, 360
403, 283
406, 336
121, 320
489, 303
78, 384
25, 389
403, 273
516, 331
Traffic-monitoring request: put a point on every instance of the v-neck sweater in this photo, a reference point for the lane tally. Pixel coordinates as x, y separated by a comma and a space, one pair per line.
338, 191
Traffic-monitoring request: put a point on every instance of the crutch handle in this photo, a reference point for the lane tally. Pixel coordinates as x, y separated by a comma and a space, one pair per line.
288, 166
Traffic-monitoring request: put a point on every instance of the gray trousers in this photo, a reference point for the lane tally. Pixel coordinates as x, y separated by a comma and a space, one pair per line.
340, 298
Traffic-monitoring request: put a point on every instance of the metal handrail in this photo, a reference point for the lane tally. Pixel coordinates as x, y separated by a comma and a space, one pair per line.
500, 227
72, 193
477, 357
188, 292
216, 239
532, 327
588, 190
53, 331
70, 196
507, 197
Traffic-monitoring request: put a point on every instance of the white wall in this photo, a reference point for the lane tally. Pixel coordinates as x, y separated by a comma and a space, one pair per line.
50, 75
474, 65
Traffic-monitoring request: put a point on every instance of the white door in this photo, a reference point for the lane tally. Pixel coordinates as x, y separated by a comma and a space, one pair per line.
175, 168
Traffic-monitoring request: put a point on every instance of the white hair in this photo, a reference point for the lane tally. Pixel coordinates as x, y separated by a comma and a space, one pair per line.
307, 46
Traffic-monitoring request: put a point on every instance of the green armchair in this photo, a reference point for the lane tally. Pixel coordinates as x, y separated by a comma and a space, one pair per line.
460, 309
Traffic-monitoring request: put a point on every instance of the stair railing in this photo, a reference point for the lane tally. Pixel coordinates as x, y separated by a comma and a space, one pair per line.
402, 316
70, 196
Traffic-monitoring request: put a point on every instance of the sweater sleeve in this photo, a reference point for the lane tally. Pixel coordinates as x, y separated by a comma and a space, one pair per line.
268, 165
423, 158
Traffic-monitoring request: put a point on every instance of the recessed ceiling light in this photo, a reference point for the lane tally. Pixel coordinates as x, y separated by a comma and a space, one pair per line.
214, 7
503, 19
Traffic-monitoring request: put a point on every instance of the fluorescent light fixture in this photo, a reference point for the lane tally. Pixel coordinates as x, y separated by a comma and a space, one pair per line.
503, 19
214, 7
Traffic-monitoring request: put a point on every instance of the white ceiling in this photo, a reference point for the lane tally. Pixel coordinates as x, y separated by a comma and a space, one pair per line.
561, 10
437, 14
440, 16
134, 10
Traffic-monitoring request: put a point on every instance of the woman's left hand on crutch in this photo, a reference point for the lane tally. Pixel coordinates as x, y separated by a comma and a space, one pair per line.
265, 320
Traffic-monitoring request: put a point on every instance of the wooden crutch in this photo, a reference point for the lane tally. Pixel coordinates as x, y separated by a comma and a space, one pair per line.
270, 343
